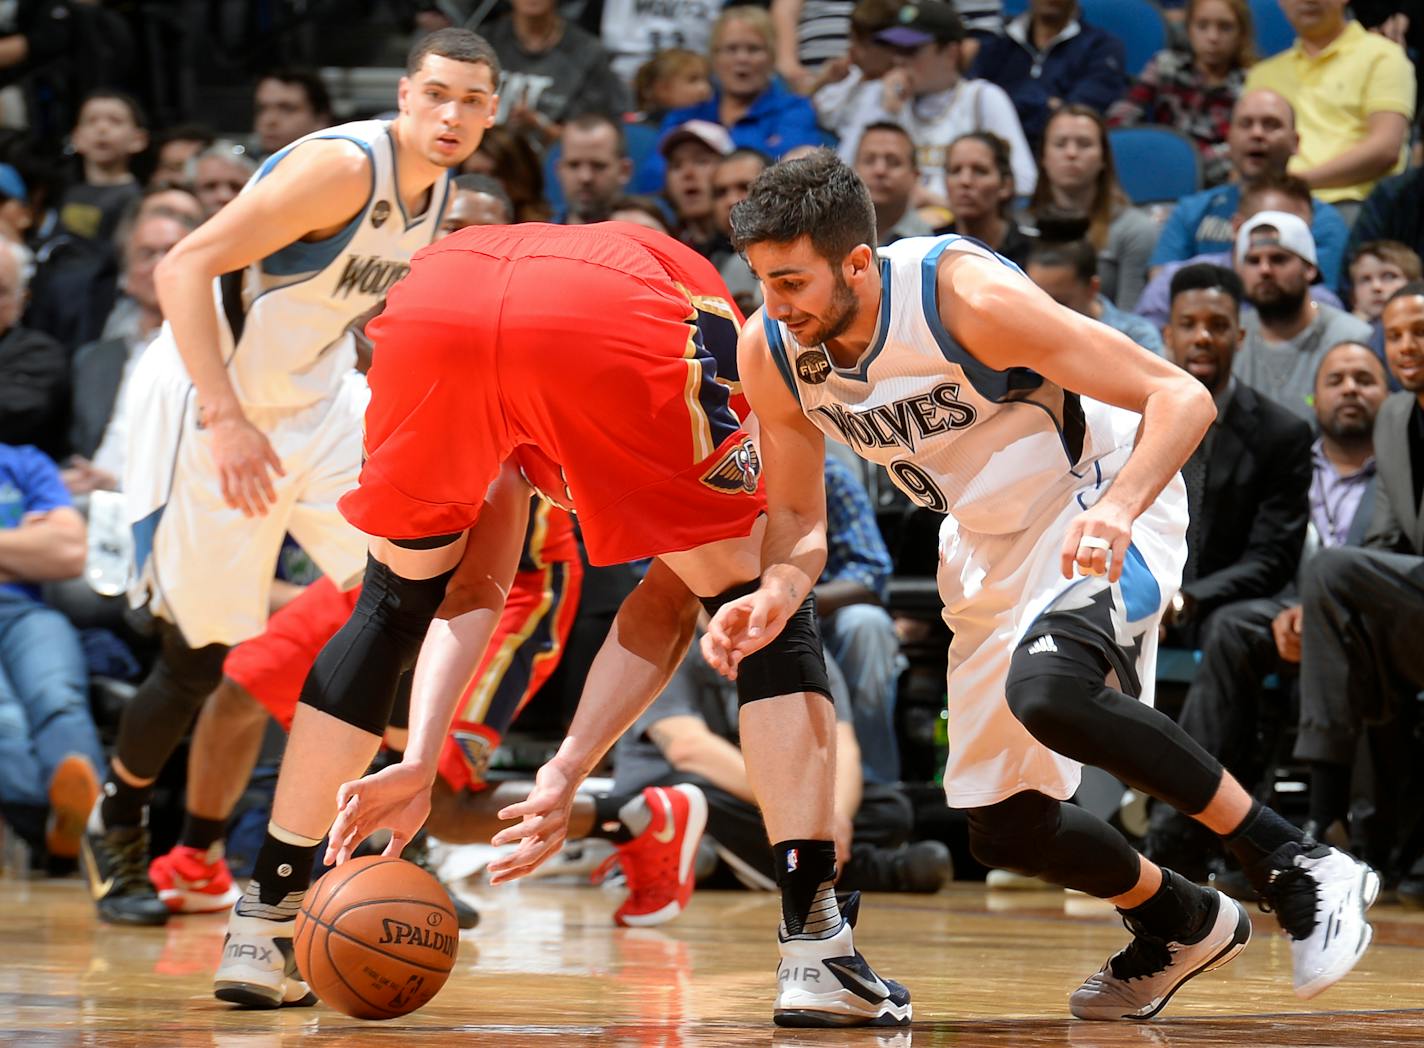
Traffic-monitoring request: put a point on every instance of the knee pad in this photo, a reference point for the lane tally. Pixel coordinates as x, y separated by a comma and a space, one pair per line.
1035, 835
433, 542
167, 701
1010, 835
355, 677
793, 662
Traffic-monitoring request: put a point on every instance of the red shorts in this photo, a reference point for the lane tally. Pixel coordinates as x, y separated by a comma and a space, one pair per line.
579, 341
524, 650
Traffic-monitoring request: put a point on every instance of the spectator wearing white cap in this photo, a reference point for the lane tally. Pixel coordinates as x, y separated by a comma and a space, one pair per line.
1289, 333
927, 95
692, 151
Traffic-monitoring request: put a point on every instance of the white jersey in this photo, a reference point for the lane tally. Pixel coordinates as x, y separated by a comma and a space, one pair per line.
292, 310
996, 450
633, 31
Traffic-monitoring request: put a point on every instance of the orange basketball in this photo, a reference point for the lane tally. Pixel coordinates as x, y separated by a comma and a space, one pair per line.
376, 938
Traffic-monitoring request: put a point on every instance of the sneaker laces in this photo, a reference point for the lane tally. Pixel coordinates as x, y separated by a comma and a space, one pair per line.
646, 866
128, 854
1292, 894
1146, 955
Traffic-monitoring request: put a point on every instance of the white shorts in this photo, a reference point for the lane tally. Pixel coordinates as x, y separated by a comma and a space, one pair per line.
201, 564
994, 588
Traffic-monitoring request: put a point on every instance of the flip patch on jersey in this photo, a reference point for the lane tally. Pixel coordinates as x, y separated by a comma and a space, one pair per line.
737, 471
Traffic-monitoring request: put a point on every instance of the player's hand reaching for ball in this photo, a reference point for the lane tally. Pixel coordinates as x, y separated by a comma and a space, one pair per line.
543, 824
395, 798
243, 456
745, 625
1097, 541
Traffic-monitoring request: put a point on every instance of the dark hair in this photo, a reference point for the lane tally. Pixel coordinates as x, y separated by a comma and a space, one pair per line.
895, 129
1001, 155
1108, 197
459, 45
490, 187
594, 121
1409, 290
200, 133
140, 118
309, 80
1077, 255
517, 168
1292, 186
869, 17
817, 196
647, 205
1204, 276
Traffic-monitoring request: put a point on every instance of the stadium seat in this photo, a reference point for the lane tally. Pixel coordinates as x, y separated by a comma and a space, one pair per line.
1014, 8
1137, 23
1273, 33
1155, 164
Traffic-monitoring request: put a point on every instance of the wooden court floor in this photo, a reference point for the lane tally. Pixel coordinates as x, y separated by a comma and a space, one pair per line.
546, 967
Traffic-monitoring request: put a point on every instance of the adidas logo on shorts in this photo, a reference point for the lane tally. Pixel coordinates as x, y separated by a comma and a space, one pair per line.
1043, 644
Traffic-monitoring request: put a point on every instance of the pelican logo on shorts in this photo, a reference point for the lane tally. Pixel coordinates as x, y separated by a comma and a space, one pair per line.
813, 367
380, 212
737, 471
476, 750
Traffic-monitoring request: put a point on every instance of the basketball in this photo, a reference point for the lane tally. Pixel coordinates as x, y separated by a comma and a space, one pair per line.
376, 938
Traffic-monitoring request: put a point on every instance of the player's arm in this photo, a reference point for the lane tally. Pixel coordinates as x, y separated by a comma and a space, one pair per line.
314, 191
793, 456
1011, 323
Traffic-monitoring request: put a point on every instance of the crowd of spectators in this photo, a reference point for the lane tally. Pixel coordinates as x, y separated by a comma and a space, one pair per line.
1287, 283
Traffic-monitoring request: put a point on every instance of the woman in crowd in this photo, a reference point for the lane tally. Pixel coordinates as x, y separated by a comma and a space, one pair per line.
1076, 178
979, 185
1193, 88
507, 157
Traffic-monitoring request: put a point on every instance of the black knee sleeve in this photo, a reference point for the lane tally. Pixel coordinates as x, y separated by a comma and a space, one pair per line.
793, 662
1060, 696
170, 697
433, 542
1035, 835
354, 679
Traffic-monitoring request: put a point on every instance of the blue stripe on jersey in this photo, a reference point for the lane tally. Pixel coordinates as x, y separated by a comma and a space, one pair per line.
714, 397
861, 371
778, 353
302, 256
1140, 592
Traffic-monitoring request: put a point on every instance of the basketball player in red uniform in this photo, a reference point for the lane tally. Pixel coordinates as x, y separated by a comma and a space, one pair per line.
584, 348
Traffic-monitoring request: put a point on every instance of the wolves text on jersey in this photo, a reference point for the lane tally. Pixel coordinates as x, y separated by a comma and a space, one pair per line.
369, 275
901, 422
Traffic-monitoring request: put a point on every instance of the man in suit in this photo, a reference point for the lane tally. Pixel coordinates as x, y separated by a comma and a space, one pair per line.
1247, 481
1251, 639
1359, 656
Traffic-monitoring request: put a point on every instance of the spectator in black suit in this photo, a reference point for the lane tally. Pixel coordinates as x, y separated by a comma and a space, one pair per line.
1394, 210
1360, 655
1247, 482
1251, 639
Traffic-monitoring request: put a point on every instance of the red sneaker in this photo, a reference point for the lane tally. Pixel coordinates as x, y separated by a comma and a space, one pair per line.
658, 863
193, 881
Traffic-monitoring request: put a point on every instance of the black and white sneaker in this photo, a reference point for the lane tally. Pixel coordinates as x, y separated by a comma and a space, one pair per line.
826, 982
258, 967
1320, 895
1139, 980
115, 861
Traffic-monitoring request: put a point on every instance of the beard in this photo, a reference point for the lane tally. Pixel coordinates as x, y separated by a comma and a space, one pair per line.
1275, 303
1348, 430
843, 310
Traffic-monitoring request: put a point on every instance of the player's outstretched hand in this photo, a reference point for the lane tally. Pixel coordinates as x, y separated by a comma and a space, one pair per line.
543, 824
1097, 541
243, 456
395, 798
745, 625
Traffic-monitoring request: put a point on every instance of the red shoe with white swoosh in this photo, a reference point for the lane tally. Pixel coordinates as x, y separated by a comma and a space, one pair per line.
658, 863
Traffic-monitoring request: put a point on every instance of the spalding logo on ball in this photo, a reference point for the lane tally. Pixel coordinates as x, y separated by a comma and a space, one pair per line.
376, 938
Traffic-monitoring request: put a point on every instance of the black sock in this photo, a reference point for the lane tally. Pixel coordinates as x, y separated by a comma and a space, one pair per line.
1329, 794
282, 868
806, 874
124, 805
1178, 911
607, 824
1260, 834
202, 833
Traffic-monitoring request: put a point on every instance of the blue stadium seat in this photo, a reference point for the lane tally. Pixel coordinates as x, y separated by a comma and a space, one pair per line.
1273, 33
1155, 163
1014, 8
1137, 23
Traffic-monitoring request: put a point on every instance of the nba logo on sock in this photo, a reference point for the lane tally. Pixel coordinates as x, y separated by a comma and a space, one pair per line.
791, 860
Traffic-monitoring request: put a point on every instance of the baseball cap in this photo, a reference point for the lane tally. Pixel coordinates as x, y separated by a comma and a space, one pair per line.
12, 185
923, 22
713, 136
1279, 228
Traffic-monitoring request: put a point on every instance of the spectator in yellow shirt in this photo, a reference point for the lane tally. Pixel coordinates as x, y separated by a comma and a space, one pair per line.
1353, 93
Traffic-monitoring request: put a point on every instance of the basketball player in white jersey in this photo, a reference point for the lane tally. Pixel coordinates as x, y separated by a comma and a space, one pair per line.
1052, 444
248, 411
